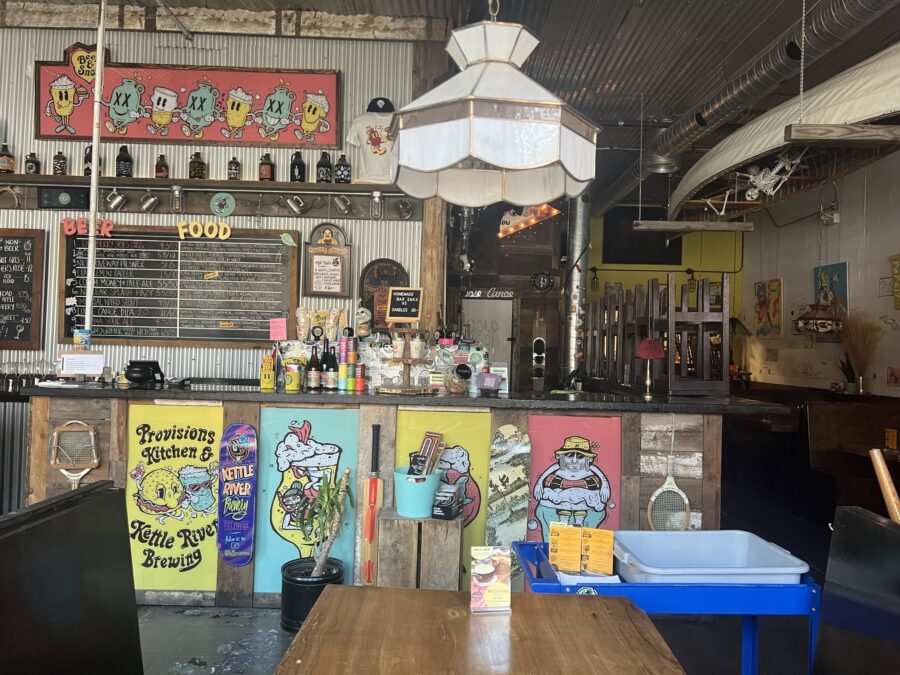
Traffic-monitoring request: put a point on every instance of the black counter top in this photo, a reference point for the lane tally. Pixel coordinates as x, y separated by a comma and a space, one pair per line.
530, 401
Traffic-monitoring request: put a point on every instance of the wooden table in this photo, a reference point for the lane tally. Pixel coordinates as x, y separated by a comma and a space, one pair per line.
404, 630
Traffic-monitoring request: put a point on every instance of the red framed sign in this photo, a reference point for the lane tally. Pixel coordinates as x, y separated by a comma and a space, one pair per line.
188, 104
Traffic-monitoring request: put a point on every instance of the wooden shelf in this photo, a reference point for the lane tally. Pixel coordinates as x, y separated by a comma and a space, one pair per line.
109, 182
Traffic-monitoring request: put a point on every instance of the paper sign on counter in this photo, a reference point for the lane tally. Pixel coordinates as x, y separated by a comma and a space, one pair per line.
82, 363
597, 550
565, 547
278, 329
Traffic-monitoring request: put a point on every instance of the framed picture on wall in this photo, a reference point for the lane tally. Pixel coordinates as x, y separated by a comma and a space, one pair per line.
715, 293
767, 306
326, 258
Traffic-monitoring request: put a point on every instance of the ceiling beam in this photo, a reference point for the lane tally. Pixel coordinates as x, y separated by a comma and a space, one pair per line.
842, 134
686, 226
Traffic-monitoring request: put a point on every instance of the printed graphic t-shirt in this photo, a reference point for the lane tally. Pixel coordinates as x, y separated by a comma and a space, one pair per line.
369, 132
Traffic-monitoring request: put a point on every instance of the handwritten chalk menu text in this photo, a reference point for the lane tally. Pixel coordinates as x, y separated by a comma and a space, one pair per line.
151, 285
404, 305
21, 288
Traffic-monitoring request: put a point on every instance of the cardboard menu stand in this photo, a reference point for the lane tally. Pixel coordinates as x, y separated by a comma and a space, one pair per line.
491, 569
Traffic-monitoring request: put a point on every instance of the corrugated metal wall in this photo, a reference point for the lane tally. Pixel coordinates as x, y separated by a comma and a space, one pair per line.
13, 441
368, 69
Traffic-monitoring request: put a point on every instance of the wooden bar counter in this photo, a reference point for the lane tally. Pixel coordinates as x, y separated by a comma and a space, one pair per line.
639, 436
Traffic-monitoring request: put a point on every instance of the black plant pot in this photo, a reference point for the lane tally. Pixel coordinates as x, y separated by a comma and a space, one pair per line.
300, 590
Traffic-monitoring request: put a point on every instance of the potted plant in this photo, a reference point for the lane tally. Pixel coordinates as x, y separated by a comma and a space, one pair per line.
304, 579
848, 373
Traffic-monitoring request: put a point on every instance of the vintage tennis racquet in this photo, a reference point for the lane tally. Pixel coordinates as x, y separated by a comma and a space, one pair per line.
669, 508
73, 450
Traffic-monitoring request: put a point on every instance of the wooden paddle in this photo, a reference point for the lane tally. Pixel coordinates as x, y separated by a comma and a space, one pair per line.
888, 490
373, 497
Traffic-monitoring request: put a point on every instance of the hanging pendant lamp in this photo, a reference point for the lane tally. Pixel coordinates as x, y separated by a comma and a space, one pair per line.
490, 133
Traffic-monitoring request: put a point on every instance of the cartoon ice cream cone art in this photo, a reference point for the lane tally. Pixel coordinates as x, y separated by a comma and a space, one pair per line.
64, 98
162, 112
305, 465
237, 112
312, 116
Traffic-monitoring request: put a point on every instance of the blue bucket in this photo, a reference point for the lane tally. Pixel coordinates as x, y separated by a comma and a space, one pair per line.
414, 499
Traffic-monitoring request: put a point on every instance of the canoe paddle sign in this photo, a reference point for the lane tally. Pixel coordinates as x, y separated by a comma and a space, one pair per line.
237, 494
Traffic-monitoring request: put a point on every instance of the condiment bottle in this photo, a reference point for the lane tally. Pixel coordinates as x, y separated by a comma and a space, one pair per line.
162, 167
7, 160
32, 164
267, 373
124, 163
298, 168
323, 169
60, 164
197, 167
266, 167
314, 371
342, 170
234, 169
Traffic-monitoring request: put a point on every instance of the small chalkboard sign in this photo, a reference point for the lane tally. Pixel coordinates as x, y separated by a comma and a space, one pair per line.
21, 288
404, 304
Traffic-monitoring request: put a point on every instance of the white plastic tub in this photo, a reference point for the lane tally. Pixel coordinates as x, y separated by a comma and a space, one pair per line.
704, 557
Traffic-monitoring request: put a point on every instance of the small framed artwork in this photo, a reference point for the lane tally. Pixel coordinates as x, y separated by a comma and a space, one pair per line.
768, 308
327, 262
715, 293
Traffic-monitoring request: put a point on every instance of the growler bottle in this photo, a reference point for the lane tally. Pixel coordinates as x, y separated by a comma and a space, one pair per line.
323, 169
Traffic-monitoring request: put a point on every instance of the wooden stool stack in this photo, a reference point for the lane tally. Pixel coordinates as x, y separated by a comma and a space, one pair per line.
418, 553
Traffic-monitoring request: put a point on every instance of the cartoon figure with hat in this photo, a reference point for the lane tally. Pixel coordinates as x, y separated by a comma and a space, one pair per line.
573, 490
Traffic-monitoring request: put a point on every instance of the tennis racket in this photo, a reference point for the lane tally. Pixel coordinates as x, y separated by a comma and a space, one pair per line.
73, 451
669, 508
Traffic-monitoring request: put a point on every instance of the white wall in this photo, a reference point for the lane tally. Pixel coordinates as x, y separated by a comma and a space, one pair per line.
868, 234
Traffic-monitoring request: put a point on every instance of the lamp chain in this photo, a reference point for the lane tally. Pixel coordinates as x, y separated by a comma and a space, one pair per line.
802, 55
494, 8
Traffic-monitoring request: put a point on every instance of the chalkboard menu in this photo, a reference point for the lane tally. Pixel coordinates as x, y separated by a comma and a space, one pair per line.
151, 285
404, 305
21, 288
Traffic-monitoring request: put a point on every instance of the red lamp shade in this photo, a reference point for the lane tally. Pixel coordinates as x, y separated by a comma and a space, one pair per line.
651, 349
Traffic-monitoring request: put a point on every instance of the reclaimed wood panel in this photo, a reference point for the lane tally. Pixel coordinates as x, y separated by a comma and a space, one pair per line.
712, 471
397, 551
84, 409
631, 444
118, 441
439, 567
386, 416
630, 515
234, 585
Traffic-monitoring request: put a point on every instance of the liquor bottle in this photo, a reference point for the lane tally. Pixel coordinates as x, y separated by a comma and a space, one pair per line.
89, 162
342, 170
124, 163
162, 167
60, 164
32, 164
234, 169
323, 169
7, 160
266, 167
314, 371
298, 168
331, 370
197, 167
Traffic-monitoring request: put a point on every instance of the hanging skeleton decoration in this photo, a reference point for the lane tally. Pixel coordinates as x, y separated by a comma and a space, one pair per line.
767, 180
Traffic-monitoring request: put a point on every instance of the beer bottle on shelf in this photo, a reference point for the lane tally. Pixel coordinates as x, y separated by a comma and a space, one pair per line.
266, 167
60, 164
298, 168
7, 160
342, 170
234, 169
331, 370
32, 164
314, 371
323, 169
89, 162
162, 167
124, 163
197, 167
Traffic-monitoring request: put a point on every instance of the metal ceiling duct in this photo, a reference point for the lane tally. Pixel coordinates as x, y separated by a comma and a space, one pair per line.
829, 24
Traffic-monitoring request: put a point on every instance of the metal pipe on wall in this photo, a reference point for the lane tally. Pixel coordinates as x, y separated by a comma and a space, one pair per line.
829, 24
576, 282
95, 169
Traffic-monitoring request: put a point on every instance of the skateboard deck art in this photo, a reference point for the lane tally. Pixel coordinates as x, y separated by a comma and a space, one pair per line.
237, 485
510, 467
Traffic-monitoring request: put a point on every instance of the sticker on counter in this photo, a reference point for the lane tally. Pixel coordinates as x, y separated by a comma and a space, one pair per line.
210, 275
237, 494
226, 324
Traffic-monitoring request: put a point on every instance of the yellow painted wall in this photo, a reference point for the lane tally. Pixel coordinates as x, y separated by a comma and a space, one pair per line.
707, 253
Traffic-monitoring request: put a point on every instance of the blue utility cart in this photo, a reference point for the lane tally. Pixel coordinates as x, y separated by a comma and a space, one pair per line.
750, 601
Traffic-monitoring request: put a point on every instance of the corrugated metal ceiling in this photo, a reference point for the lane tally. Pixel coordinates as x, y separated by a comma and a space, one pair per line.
601, 55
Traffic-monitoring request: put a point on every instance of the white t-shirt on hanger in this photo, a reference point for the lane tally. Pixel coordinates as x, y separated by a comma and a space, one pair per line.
369, 132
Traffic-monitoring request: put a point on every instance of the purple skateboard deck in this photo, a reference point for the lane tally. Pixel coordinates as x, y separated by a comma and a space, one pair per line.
237, 494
